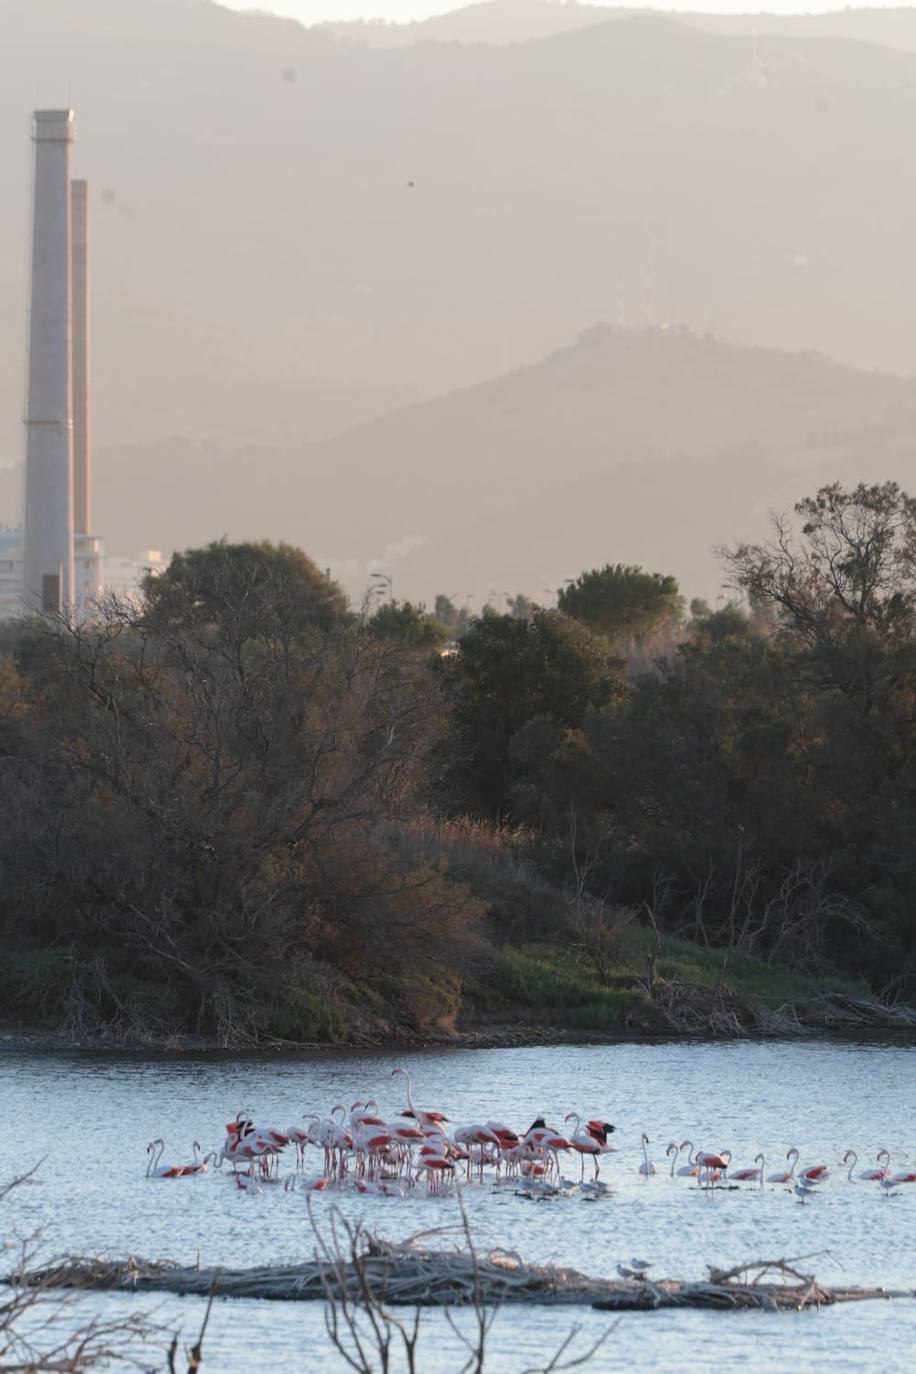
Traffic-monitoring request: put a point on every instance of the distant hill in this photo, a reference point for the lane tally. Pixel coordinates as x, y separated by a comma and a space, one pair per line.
489, 21
497, 22
891, 28
639, 446
266, 274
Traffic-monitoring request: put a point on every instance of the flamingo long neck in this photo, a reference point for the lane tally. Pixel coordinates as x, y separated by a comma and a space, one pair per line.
854, 1159
413, 1112
793, 1155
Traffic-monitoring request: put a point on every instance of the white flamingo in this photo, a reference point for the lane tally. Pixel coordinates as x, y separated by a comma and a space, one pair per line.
647, 1167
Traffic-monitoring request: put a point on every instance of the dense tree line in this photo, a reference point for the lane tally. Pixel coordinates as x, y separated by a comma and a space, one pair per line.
198, 796
211, 798
757, 786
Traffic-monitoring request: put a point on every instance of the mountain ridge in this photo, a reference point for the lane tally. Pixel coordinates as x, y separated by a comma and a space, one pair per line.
636, 446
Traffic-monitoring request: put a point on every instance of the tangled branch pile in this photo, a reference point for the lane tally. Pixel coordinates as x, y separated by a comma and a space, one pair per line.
409, 1275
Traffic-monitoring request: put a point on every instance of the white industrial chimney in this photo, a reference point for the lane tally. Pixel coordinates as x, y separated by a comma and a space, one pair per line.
82, 431
88, 549
48, 567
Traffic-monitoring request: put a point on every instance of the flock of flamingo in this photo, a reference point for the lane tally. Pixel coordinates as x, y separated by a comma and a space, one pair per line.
390, 1158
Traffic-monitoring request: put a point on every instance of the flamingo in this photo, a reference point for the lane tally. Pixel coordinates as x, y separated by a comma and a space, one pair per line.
647, 1167
870, 1175
247, 1185
507, 1137
784, 1175
754, 1175
547, 1140
710, 1160
156, 1170
688, 1170
425, 1118
584, 1142
437, 1171
367, 1116
600, 1130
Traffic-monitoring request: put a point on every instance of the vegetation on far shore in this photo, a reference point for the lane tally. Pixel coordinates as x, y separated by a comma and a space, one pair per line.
239, 811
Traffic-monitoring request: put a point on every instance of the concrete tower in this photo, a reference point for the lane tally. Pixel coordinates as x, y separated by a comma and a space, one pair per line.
82, 428
88, 549
48, 567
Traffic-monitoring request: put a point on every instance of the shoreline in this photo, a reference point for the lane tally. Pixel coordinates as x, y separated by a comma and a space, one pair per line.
498, 1036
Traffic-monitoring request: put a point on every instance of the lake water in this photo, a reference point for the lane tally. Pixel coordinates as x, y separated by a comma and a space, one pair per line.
90, 1118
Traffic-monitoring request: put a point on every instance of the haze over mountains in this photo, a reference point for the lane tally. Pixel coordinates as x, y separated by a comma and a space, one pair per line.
641, 446
267, 277
519, 21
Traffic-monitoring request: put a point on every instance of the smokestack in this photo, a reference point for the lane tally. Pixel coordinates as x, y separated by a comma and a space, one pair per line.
48, 570
82, 435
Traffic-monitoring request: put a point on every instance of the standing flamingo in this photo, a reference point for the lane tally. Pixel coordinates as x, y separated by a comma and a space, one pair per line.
584, 1143
709, 1159
425, 1118
647, 1167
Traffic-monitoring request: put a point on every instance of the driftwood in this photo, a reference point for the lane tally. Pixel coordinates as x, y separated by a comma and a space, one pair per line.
407, 1274
695, 1009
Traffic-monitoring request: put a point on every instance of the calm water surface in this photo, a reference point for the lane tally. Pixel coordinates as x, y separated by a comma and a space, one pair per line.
91, 1119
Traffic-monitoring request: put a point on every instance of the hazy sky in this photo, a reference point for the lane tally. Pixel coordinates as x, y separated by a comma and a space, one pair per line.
312, 11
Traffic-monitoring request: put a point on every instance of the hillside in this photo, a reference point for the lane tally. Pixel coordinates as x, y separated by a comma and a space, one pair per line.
521, 21
265, 274
638, 445
488, 21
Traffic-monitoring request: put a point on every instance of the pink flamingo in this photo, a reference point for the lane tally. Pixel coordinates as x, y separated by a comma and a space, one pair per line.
869, 1175
688, 1170
785, 1175
583, 1142
754, 1175
425, 1118
156, 1170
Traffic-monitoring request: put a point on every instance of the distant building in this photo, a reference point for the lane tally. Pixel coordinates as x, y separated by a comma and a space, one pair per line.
88, 571
124, 576
10, 574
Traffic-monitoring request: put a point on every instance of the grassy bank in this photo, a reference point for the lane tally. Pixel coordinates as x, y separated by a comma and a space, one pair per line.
540, 985
561, 986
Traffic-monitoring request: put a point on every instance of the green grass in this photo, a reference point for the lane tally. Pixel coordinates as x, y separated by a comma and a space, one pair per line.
563, 985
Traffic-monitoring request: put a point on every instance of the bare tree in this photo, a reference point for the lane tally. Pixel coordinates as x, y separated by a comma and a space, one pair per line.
852, 565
